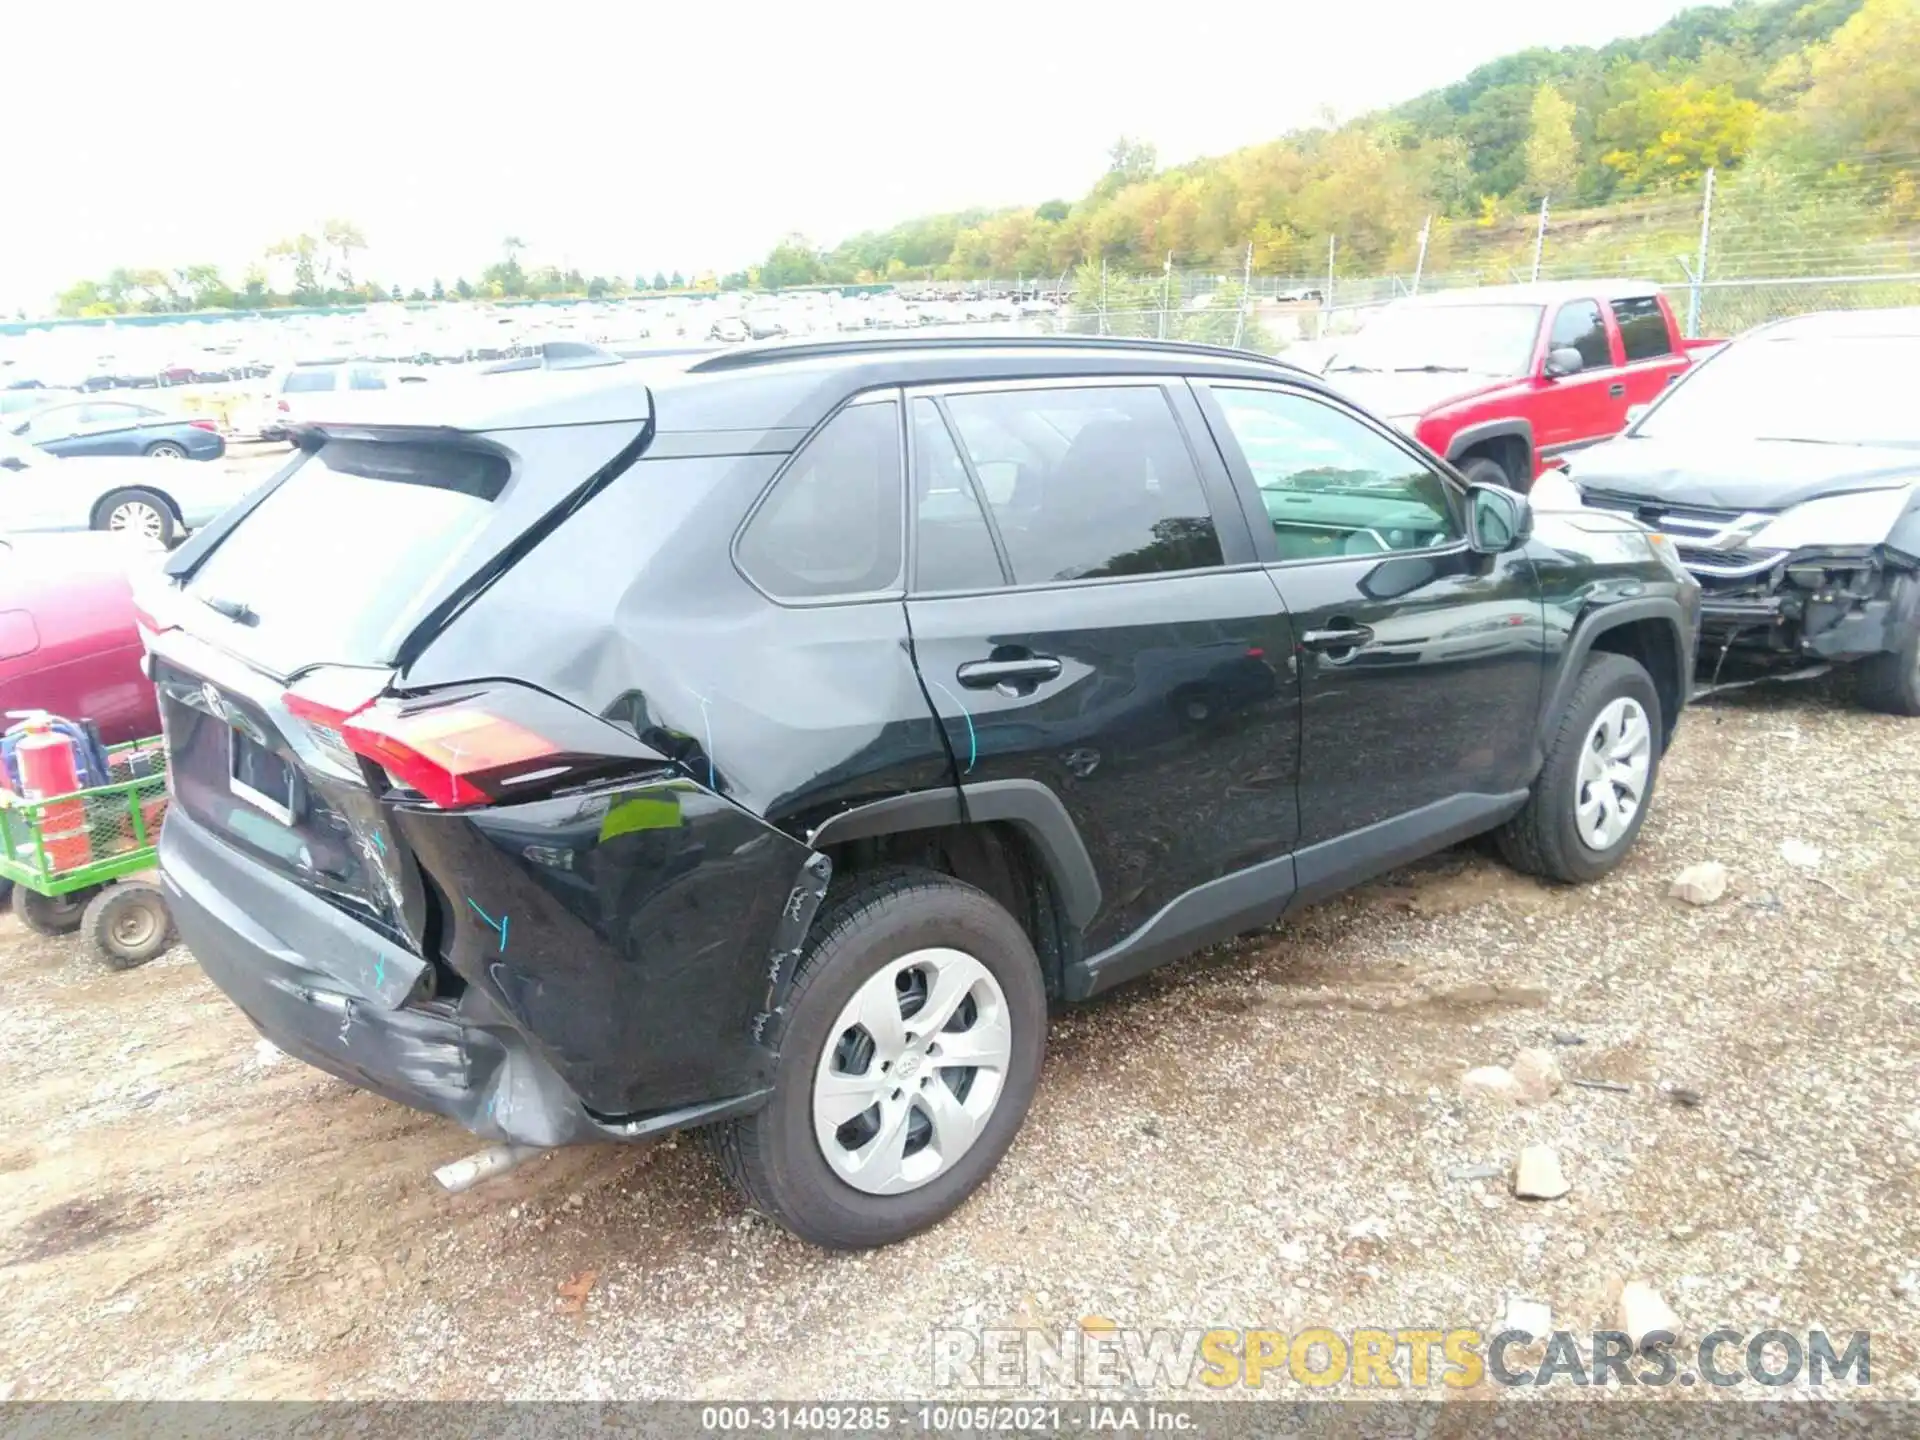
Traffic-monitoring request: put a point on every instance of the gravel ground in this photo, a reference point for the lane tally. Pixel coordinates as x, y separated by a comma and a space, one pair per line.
1272, 1135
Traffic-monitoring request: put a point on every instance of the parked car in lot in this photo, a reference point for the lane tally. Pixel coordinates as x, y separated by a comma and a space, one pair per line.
120, 427
1787, 470
637, 773
159, 499
296, 393
68, 641
1501, 379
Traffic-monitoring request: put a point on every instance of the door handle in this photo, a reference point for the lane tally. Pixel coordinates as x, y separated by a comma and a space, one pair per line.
1027, 671
1340, 635
1616, 390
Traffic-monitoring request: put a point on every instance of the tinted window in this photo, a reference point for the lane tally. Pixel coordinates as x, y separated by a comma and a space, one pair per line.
1578, 326
954, 547
301, 542
1332, 485
832, 524
1087, 482
299, 380
364, 378
1643, 328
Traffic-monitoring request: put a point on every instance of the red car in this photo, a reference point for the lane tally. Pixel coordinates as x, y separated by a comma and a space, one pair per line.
68, 642
1505, 379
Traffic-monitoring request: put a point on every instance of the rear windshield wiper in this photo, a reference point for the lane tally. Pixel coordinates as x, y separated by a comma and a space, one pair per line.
234, 610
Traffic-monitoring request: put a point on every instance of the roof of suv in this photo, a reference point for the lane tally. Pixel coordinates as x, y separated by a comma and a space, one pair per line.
779, 387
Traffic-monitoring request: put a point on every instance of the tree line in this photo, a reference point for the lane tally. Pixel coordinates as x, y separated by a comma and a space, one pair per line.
319, 267
1794, 88
1784, 86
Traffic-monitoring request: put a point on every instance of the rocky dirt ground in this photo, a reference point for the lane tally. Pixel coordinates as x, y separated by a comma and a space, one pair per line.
1275, 1134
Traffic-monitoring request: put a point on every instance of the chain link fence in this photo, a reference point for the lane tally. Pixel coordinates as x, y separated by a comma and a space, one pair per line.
1730, 252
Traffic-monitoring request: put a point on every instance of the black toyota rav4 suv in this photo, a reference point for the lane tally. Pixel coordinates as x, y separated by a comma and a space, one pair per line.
761, 741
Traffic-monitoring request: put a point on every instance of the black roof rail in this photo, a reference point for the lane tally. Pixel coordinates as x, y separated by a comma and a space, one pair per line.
741, 357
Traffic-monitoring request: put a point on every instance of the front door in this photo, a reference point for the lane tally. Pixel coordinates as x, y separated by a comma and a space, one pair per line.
1590, 404
1420, 661
1087, 612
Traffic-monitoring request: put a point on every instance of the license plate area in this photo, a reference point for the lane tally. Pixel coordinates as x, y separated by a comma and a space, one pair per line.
258, 776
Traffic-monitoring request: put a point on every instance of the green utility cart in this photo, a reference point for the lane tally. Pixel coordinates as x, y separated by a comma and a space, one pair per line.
74, 861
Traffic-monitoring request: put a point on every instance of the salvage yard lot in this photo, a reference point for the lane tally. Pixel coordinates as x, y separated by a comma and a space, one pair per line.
1265, 1136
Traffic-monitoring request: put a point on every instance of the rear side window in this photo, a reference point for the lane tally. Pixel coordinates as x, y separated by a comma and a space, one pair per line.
335, 560
1643, 328
1579, 327
299, 380
831, 525
953, 546
1087, 482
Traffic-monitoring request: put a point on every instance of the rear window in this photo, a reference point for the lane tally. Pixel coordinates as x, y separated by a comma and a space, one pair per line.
336, 561
299, 380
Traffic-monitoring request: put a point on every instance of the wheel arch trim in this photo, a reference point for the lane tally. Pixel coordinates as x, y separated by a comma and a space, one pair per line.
1511, 427
1597, 622
1028, 805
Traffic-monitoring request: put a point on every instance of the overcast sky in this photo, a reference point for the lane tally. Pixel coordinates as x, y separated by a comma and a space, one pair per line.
628, 138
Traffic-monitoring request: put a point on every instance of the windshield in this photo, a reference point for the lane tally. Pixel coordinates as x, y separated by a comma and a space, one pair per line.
1471, 339
1841, 391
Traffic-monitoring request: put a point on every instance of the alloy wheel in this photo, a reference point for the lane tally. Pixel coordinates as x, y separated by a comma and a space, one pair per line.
912, 1070
1611, 784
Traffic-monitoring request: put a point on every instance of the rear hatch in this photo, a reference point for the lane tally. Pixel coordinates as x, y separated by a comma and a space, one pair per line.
278, 630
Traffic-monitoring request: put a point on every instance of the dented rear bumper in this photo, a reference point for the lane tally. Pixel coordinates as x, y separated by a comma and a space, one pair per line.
605, 965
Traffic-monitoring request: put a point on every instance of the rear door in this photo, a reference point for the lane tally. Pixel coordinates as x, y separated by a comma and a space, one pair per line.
1650, 353
1086, 612
1589, 405
1420, 662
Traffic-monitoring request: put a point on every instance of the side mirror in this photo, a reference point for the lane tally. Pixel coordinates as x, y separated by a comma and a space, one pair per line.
12, 462
1565, 360
1498, 519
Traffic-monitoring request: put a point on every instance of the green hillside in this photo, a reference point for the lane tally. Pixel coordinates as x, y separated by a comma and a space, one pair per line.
1790, 102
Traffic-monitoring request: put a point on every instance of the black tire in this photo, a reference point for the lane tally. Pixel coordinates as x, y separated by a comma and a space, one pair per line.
169, 524
128, 924
774, 1156
1890, 681
1485, 470
50, 914
1544, 838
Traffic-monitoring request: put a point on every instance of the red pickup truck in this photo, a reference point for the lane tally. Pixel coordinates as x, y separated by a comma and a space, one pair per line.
1505, 379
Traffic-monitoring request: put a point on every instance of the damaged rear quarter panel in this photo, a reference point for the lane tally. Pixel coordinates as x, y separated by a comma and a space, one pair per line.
633, 610
632, 933
643, 971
